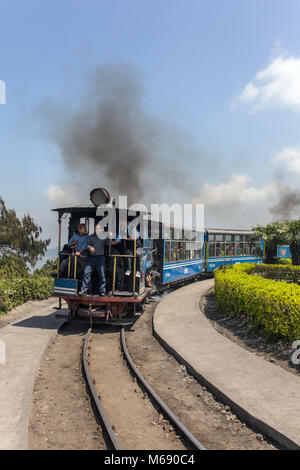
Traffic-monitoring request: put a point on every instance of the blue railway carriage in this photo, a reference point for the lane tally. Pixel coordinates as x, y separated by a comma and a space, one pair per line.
224, 247
183, 254
156, 256
185, 260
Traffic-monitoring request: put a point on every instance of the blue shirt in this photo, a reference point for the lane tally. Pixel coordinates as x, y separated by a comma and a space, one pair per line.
82, 241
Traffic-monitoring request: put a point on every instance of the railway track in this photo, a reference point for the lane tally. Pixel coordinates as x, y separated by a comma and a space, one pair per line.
187, 436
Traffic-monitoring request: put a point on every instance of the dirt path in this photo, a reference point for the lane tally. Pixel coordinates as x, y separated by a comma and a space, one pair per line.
136, 422
61, 414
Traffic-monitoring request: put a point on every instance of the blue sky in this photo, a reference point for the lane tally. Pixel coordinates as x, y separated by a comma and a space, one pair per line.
196, 59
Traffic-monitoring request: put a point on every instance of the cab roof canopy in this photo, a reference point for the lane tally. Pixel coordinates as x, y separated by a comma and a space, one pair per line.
91, 211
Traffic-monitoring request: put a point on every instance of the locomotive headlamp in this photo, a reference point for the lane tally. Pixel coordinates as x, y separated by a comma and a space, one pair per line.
99, 196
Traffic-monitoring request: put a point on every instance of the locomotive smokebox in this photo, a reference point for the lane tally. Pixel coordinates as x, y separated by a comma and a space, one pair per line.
99, 197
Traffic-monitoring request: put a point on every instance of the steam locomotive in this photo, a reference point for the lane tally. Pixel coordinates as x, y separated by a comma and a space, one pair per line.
159, 255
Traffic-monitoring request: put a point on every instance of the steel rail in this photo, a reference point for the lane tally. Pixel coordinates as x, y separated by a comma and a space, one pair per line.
99, 406
178, 424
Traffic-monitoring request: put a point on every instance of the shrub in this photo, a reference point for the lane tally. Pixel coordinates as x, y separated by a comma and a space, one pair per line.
12, 265
49, 269
18, 286
15, 291
270, 304
278, 272
285, 261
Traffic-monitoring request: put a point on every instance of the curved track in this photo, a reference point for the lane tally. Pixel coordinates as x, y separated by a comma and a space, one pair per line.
188, 436
100, 409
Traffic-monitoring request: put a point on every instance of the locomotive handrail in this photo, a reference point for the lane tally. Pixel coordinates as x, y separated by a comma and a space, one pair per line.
115, 256
121, 256
69, 263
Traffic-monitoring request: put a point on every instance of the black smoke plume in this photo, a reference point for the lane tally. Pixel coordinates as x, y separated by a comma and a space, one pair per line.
288, 205
113, 140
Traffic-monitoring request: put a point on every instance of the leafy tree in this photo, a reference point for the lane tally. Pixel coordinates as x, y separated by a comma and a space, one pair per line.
277, 233
48, 270
21, 237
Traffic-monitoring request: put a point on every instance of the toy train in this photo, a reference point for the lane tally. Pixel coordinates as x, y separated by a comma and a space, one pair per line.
159, 256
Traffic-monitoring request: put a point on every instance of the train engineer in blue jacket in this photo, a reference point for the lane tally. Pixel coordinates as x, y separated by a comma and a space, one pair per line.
79, 243
96, 244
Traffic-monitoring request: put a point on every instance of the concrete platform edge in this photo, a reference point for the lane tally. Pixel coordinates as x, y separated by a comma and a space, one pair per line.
240, 412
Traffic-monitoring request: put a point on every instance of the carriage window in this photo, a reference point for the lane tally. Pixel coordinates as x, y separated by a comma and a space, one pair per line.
181, 253
211, 237
188, 255
188, 234
255, 248
211, 250
237, 238
177, 234
246, 249
168, 233
219, 237
167, 252
228, 238
229, 249
220, 249
238, 249
198, 235
194, 249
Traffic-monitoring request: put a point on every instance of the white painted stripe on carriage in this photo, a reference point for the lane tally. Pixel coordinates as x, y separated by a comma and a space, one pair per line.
56, 289
209, 260
188, 263
62, 287
183, 263
191, 261
231, 259
65, 288
183, 266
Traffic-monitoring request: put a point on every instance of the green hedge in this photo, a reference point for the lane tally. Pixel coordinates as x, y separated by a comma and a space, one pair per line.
270, 304
15, 291
278, 272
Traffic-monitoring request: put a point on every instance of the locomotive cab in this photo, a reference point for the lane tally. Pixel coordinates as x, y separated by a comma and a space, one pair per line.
130, 261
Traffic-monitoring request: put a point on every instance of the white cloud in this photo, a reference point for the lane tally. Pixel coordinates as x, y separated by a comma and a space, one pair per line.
61, 194
236, 190
249, 93
55, 193
278, 83
290, 157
